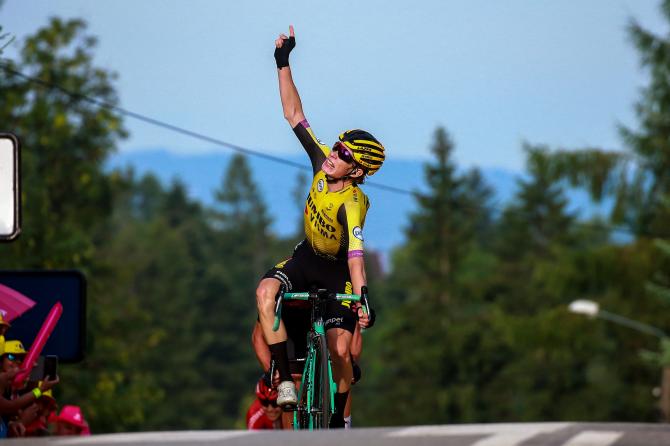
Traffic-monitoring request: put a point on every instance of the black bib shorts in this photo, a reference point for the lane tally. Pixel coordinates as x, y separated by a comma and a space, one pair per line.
306, 270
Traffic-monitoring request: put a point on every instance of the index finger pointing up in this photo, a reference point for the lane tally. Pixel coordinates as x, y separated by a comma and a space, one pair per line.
290, 31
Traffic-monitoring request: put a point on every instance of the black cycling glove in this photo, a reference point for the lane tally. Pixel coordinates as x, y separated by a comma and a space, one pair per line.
267, 377
281, 54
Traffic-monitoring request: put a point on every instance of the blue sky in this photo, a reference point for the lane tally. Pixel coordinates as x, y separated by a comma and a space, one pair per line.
494, 73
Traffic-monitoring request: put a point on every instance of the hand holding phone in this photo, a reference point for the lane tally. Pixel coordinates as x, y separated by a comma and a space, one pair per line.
50, 367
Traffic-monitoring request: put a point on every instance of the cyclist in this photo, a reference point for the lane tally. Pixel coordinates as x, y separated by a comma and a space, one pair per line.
296, 348
264, 413
331, 256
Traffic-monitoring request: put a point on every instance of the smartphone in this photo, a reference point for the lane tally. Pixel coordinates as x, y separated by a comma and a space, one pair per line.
50, 367
37, 373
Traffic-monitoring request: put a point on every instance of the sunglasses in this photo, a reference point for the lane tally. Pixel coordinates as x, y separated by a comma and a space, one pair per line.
272, 403
343, 152
13, 357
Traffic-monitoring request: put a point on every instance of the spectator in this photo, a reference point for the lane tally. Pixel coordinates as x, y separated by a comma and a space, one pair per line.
71, 421
12, 355
38, 425
4, 326
11, 361
264, 412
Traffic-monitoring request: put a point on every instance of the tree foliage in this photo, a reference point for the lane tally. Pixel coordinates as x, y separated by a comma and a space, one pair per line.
472, 310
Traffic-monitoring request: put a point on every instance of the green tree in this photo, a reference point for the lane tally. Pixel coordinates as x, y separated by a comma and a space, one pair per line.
446, 220
144, 337
538, 218
544, 261
428, 300
580, 263
639, 177
244, 250
659, 285
67, 198
66, 139
532, 231
5, 39
242, 217
298, 194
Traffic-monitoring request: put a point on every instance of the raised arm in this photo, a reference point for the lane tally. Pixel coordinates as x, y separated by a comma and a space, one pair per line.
290, 100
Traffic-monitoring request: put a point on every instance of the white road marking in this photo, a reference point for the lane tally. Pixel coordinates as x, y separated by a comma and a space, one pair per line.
594, 438
510, 434
186, 437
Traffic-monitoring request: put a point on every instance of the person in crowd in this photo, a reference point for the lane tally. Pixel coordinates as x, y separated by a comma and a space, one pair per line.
45, 406
4, 326
264, 413
11, 360
70, 421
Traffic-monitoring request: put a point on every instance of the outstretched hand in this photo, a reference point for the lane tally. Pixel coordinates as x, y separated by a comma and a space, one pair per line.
48, 383
282, 37
283, 47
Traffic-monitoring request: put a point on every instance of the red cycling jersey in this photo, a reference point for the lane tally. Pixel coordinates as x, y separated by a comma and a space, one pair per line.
256, 418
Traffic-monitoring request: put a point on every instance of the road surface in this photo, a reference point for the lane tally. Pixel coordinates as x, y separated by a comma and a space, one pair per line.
521, 434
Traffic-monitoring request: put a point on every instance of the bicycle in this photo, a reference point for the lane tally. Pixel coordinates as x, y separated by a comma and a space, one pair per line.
316, 398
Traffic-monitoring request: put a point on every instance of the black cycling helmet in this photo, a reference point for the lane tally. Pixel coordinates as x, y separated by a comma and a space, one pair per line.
366, 150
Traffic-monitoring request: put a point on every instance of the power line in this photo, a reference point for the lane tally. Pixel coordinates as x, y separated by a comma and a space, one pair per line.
246, 151
181, 130
152, 121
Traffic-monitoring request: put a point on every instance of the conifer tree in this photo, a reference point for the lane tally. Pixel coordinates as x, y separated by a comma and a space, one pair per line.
245, 250
441, 234
65, 140
445, 222
639, 176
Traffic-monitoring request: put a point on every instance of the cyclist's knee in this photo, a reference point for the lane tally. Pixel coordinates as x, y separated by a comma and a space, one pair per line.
265, 295
340, 351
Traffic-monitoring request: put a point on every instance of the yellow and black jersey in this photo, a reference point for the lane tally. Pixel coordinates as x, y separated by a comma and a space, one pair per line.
333, 220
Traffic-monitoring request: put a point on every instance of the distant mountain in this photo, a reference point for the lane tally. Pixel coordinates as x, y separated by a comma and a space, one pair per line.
202, 174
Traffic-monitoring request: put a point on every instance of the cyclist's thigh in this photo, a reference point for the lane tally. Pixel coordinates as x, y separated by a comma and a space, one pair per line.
339, 314
290, 273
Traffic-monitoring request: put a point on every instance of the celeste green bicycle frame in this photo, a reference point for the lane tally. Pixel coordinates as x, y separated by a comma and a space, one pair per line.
316, 399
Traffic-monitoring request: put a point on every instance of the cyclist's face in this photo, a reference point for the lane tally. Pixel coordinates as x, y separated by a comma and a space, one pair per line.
272, 412
336, 164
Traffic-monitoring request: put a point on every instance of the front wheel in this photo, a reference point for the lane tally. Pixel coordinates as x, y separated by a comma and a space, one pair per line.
301, 417
323, 383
